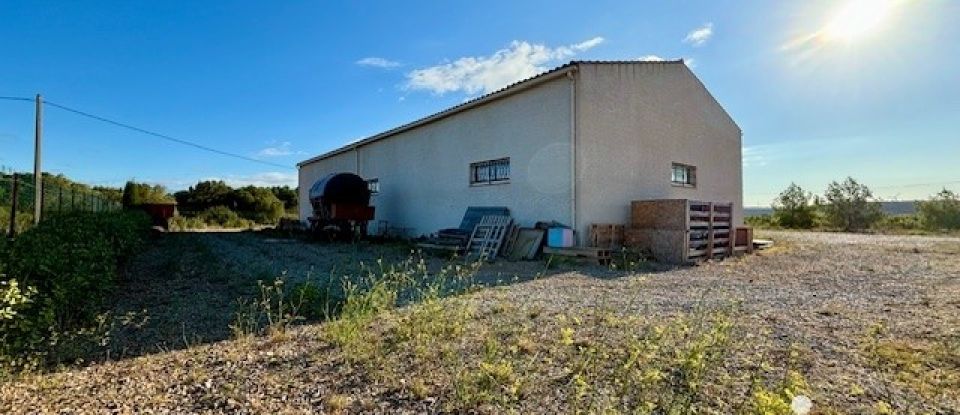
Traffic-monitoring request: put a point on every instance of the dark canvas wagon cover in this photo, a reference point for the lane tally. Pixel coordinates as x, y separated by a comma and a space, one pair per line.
341, 189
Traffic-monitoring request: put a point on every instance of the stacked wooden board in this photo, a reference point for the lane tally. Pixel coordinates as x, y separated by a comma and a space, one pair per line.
601, 255
523, 243
681, 230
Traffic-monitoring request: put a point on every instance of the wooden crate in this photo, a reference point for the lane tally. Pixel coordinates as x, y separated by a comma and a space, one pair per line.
681, 230
659, 214
743, 240
666, 245
606, 235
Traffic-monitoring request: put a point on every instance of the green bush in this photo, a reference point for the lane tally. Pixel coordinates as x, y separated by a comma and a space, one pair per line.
66, 268
223, 217
761, 221
942, 211
792, 208
182, 223
136, 194
24, 221
898, 223
259, 204
850, 206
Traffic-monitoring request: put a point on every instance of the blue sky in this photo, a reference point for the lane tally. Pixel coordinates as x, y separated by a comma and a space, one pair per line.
283, 81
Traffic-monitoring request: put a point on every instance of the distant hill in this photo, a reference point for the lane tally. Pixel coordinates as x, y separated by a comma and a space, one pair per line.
757, 211
904, 207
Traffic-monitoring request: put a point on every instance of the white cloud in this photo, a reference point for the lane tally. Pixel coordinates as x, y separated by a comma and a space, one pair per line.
264, 179
378, 62
587, 44
700, 35
484, 74
650, 58
278, 150
690, 62
754, 156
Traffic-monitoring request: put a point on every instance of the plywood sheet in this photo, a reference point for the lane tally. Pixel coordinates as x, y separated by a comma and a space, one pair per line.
666, 245
659, 214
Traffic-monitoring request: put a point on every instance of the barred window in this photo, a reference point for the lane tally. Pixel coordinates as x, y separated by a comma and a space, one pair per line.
490, 171
683, 175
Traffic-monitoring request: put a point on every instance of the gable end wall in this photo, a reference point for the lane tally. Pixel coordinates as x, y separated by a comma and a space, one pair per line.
633, 121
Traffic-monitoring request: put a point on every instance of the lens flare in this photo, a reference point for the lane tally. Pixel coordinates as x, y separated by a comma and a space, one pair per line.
858, 18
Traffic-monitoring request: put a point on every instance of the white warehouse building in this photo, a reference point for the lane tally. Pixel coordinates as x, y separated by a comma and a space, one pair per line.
573, 145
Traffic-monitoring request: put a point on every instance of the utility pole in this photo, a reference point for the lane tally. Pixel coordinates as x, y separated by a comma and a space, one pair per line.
37, 172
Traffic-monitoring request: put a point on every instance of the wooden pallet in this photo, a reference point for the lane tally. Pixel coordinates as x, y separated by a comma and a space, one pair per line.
441, 247
682, 230
602, 256
488, 236
606, 235
709, 226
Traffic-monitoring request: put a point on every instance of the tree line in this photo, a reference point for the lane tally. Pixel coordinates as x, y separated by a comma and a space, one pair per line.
850, 206
215, 203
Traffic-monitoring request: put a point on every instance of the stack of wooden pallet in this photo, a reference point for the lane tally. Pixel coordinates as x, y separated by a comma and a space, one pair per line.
681, 230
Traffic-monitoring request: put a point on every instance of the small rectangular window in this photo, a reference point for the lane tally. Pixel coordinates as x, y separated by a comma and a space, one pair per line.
490, 171
374, 186
683, 175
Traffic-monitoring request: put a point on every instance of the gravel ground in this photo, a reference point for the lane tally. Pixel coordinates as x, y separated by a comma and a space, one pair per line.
819, 292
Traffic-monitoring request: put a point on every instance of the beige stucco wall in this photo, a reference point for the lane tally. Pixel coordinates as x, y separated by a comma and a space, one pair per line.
424, 172
633, 121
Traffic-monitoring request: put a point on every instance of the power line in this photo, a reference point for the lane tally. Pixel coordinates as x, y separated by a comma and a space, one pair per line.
163, 136
895, 186
16, 99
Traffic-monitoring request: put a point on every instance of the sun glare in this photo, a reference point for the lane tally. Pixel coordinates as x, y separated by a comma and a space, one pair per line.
858, 18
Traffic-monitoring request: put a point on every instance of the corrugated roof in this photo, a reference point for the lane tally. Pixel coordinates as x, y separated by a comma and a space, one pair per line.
507, 90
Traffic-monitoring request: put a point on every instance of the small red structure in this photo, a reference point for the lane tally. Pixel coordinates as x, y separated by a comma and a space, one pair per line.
160, 213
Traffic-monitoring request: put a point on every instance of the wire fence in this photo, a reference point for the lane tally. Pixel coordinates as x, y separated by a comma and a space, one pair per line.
18, 201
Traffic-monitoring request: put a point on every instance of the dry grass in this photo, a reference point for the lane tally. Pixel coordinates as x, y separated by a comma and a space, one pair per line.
861, 324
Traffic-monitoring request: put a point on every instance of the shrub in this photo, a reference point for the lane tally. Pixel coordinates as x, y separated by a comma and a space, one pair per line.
224, 217
760, 221
942, 211
66, 268
898, 223
183, 223
258, 204
24, 221
850, 206
792, 208
136, 194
